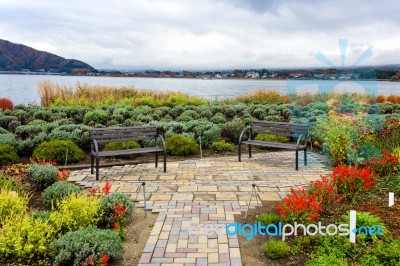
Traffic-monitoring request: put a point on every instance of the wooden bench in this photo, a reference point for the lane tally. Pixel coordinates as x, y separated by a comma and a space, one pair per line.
294, 131
101, 136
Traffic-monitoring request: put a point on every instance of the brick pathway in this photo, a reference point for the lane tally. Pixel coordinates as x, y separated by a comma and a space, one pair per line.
196, 199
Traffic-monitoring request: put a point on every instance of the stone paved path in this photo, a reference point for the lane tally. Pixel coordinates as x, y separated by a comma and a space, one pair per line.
196, 199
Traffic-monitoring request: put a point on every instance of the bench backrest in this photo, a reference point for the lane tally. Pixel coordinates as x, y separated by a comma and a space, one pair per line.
123, 134
279, 128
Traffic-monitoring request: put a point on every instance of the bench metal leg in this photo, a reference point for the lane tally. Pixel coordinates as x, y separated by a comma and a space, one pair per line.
305, 156
156, 159
297, 160
91, 164
240, 152
97, 169
249, 151
165, 162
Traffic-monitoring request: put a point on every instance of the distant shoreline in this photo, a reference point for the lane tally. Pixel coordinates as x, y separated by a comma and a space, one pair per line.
196, 78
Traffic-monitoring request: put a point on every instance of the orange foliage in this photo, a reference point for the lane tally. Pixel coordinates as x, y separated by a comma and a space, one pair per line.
6, 103
381, 98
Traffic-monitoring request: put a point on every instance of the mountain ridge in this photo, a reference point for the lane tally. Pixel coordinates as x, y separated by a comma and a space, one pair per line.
19, 57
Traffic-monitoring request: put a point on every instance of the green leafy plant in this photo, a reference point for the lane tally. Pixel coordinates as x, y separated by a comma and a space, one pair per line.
327, 260
272, 138
218, 118
113, 146
232, 130
276, 249
8, 155
180, 145
267, 218
12, 204
42, 175
23, 237
222, 146
108, 209
85, 246
96, 116
7, 138
57, 191
76, 211
367, 220
9, 182
56, 150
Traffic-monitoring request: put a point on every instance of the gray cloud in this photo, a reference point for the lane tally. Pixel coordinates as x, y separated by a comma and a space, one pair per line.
206, 34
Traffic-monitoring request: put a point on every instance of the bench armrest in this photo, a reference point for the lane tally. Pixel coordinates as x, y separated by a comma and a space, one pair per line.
96, 147
299, 139
163, 142
241, 134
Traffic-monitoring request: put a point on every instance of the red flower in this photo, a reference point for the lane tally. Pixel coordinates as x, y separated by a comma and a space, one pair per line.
90, 261
107, 188
104, 259
116, 226
120, 210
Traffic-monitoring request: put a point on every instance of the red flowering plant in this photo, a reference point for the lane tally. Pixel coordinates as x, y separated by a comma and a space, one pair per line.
386, 165
119, 217
300, 206
325, 191
105, 190
62, 175
102, 261
350, 180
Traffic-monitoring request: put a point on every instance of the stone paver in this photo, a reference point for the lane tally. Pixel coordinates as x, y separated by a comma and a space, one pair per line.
196, 200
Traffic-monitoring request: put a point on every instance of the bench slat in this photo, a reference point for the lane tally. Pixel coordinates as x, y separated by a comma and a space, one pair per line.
288, 146
128, 151
117, 135
125, 139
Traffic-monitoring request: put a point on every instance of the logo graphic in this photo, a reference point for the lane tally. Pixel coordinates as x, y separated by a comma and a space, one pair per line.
336, 78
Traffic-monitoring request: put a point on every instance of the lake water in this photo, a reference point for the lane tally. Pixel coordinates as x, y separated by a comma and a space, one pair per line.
23, 88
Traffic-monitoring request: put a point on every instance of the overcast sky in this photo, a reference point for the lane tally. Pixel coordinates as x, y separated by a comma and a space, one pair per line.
205, 34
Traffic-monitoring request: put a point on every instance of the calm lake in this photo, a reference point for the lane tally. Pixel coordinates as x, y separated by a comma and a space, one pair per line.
23, 88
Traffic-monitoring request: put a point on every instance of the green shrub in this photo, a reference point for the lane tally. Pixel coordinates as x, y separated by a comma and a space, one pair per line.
259, 113
272, 138
45, 115
218, 118
28, 131
43, 215
12, 204
26, 147
267, 218
8, 155
222, 146
42, 175
276, 249
114, 146
180, 145
56, 150
9, 182
76, 211
23, 237
208, 131
365, 219
386, 253
190, 113
75, 248
96, 116
79, 134
144, 118
6, 120
327, 260
107, 208
232, 130
22, 115
58, 191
